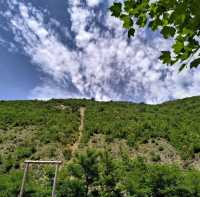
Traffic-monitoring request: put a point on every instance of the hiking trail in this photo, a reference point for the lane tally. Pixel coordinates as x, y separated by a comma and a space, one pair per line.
75, 146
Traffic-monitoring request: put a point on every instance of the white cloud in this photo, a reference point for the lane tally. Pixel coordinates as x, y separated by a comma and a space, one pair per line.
51, 90
93, 3
104, 65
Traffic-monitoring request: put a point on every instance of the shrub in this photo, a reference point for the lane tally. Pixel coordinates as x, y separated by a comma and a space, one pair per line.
24, 152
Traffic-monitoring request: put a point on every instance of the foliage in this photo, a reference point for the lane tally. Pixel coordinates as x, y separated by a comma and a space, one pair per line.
46, 130
177, 122
126, 177
33, 130
175, 19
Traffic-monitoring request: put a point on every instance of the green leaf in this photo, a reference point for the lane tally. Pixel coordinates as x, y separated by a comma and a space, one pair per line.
195, 63
178, 46
185, 55
165, 57
116, 9
167, 3
128, 22
131, 32
182, 67
176, 19
153, 10
187, 31
129, 5
154, 24
142, 20
168, 31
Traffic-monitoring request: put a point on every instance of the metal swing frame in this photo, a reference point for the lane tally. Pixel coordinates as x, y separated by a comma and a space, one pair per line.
28, 162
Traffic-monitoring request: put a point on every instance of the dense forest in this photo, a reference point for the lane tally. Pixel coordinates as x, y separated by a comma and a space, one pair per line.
123, 150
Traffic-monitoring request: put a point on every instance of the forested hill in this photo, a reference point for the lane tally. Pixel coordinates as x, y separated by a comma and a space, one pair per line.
108, 149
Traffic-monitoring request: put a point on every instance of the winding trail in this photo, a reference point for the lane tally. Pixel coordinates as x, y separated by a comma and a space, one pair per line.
75, 146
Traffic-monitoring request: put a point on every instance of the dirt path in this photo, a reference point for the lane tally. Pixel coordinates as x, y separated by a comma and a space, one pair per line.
75, 146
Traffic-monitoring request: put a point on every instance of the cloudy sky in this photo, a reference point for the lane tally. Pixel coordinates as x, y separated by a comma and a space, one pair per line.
75, 49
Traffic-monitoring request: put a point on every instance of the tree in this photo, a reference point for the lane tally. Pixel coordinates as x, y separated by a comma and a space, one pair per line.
84, 171
178, 19
109, 175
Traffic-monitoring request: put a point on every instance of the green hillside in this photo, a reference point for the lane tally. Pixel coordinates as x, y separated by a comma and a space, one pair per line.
110, 149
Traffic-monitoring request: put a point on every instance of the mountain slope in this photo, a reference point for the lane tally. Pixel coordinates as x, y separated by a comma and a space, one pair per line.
164, 139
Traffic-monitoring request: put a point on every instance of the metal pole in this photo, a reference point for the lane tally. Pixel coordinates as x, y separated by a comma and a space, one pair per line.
24, 179
54, 182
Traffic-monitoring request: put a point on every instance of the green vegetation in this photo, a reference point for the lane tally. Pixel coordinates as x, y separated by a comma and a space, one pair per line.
177, 122
35, 130
179, 20
98, 174
126, 149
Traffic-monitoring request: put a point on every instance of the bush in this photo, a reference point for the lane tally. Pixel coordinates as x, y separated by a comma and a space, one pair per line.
24, 152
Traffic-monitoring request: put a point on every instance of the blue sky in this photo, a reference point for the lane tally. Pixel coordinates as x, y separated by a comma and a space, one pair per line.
75, 49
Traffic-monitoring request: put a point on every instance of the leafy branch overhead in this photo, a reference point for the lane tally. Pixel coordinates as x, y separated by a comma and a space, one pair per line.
177, 19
